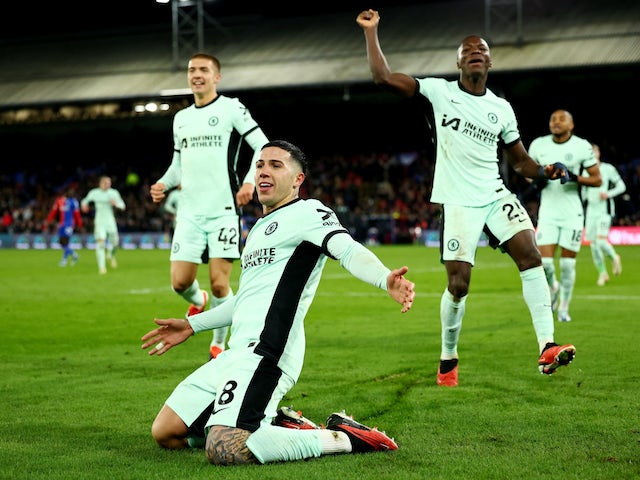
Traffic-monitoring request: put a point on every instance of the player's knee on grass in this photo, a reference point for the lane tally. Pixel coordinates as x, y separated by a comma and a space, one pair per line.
169, 431
166, 439
228, 446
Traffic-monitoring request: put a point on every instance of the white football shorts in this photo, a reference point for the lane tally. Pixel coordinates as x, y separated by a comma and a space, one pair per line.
192, 236
463, 227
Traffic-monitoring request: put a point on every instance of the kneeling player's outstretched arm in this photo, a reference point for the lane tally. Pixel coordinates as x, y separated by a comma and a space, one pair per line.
362, 263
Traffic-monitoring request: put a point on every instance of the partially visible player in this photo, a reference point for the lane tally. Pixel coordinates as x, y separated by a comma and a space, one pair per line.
105, 229
600, 212
207, 139
170, 206
561, 213
67, 209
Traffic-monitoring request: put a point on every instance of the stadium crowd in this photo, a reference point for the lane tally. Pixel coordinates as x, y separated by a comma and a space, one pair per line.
380, 197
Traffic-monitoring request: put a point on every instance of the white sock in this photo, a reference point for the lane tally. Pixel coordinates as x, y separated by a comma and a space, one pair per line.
220, 337
608, 249
220, 334
536, 295
598, 257
271, 443
451, 313
335, 442
567, 282
549, 271
101, 256
215, 301
193, 294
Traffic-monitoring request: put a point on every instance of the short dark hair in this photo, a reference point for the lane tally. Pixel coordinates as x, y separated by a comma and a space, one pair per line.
216, 62
296, 153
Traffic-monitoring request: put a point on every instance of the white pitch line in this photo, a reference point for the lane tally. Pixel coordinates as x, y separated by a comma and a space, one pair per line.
435, 294
496, 295
147, 291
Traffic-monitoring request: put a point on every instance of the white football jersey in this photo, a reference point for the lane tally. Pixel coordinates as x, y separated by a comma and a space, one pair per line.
561, 202
468, 129
612, 184
102, 201
207, 143
282, 264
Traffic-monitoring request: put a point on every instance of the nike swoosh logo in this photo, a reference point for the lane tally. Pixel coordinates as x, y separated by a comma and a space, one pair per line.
214, 411
455, 101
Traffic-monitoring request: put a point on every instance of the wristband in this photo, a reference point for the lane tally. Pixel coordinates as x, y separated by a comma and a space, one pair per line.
541, 172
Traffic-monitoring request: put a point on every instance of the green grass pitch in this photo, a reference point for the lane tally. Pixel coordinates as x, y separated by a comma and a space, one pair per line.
78, 394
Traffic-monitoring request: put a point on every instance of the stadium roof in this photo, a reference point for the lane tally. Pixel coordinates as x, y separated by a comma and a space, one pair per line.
316, 50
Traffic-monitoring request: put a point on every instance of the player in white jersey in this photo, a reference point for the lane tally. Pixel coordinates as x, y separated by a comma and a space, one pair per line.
105, 200
207, 139
234, 397
170, 206
471, 123
561, 213
600, 212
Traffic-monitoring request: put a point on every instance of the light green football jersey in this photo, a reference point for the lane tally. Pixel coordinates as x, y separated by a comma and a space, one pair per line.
468, 131
104, 202
282, 264
207, 142
612, 184
562, 202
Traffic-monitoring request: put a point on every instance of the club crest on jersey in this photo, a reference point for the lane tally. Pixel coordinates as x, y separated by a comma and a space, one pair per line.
271, 228
213, 121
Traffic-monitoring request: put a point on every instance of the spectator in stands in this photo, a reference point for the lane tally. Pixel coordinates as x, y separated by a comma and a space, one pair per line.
7, 220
